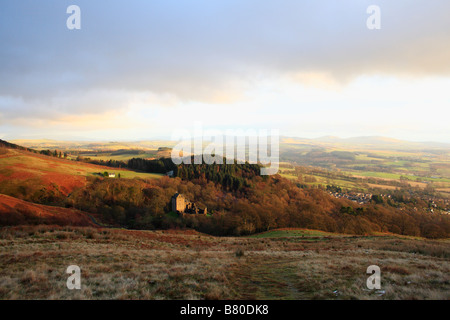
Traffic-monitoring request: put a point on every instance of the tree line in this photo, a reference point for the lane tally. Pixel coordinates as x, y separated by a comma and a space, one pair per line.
262, 204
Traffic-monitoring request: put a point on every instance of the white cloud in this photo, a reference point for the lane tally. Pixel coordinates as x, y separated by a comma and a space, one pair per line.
287, 63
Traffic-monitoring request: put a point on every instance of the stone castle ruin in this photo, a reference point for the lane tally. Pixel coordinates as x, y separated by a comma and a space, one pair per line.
181, 205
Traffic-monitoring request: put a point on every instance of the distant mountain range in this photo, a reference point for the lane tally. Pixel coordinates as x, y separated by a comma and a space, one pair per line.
326, 141
367, 142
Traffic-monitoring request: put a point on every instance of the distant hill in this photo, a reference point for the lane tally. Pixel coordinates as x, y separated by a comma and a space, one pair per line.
365, 143
41, 144
6, 144
18, 212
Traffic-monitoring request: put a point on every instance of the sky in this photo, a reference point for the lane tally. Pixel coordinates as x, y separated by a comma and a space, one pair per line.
142, 69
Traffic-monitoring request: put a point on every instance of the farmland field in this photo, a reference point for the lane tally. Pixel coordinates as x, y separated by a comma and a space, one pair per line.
123, 156
354, 168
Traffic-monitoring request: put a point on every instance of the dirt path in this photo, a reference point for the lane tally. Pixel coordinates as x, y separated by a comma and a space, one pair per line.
269, 280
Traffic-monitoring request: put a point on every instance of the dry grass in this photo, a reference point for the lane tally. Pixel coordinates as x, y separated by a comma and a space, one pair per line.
123, 264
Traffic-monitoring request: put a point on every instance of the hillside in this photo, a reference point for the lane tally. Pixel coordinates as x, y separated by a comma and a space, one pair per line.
18, 212
32, 176
6, 144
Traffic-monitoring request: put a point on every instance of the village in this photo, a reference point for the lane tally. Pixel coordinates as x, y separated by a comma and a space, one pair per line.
360, 198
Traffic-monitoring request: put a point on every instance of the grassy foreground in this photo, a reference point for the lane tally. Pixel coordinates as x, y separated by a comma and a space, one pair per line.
124, 264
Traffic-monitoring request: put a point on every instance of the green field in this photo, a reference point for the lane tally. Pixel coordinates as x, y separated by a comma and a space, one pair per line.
361, 168
127, 174
326, 181
395, 176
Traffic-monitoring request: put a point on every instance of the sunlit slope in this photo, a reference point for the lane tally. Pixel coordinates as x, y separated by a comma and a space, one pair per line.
23, 172
18, 212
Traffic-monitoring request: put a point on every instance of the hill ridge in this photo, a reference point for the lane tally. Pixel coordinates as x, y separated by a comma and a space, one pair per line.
14, 211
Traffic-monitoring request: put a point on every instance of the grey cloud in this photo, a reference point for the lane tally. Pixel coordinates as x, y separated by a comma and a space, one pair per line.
196, 49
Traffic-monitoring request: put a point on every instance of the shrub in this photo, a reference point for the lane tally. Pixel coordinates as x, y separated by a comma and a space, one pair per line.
239, 252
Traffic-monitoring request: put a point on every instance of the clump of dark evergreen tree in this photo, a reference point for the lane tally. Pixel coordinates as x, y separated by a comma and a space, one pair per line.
230, 176
162, 165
